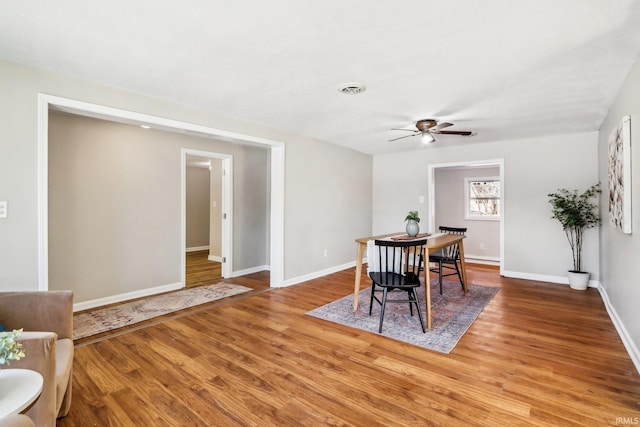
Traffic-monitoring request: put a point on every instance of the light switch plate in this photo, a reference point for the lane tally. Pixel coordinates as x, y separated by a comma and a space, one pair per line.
3, 208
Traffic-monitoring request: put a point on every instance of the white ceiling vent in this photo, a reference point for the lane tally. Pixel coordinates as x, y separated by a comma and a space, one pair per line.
352, 88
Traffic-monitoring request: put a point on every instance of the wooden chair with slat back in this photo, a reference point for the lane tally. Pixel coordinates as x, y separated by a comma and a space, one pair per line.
399, 264
448, 258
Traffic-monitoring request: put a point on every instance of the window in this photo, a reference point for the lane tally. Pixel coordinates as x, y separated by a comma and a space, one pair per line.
482, 198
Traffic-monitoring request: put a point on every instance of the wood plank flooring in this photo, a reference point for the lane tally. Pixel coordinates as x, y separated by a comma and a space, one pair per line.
201, 271
539, 354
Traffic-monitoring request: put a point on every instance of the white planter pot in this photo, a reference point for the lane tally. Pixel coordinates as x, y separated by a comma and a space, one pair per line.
578, 280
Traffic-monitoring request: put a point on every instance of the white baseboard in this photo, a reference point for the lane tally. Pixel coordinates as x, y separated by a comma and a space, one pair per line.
545, 278
481, 259
85, 305
250, 271
622, 331
315, 275
214, 258
198, 248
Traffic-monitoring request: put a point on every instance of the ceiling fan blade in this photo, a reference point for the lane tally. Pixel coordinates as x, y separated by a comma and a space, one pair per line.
406, 136
455, 132
409, 130
442, 126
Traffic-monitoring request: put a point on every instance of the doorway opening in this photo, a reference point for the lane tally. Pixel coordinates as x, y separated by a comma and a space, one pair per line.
483, 235
207, 206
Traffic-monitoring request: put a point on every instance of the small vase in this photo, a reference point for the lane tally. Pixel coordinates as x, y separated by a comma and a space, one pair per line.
412, 227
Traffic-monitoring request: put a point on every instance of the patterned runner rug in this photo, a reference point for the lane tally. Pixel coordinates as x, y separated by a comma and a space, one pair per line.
105, 319
453, 313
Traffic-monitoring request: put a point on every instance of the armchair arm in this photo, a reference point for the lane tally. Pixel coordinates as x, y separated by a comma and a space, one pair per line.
38, 311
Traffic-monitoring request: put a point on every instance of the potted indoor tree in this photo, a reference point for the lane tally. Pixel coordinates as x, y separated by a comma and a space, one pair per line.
412, 223
576, 213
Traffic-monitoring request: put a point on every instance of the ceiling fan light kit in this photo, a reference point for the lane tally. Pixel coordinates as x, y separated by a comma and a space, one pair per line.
427, 138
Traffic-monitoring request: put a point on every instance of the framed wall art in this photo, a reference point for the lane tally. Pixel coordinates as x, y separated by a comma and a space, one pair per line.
620, 176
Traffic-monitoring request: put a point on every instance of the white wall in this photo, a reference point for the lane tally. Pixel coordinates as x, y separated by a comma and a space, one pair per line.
483, 236
620, 268
535, 245
327, 188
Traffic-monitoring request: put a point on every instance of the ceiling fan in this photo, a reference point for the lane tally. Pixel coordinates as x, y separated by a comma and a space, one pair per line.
427, 128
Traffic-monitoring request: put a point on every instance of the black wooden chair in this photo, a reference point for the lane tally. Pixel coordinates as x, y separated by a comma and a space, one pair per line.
448, 258
398, 265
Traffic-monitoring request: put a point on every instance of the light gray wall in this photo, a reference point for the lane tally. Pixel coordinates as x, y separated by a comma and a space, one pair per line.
327, 188
114, 205
197, 207
619, 252
449, 209
325, 173
535, 245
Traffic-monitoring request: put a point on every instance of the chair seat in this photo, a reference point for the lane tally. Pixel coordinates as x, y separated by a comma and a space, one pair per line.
395, 280
443, 258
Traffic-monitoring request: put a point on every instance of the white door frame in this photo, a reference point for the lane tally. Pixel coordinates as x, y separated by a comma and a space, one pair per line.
227, 208
46, 102
431, 186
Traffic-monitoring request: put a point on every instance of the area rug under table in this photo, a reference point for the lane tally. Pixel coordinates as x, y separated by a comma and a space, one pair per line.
452, 314
102, 320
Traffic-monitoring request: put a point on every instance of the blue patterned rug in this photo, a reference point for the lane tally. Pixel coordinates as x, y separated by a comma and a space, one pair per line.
453, 313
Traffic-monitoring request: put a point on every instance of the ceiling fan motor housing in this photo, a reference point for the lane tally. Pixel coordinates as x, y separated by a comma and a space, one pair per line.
425, 125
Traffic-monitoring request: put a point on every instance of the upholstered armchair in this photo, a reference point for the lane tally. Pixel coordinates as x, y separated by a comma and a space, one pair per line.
47, 340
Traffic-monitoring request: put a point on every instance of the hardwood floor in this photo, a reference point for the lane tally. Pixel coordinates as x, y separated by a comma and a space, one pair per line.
539, 354
201, 271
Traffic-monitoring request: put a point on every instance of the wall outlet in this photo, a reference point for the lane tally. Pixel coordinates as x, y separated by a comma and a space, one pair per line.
326, 253
481, 245
3, 209
421, 199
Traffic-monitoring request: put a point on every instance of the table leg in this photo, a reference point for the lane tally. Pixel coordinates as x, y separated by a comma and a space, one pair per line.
427, 287
463, 267
356, 289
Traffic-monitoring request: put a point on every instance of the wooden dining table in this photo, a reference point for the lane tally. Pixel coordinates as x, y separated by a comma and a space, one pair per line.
434, 243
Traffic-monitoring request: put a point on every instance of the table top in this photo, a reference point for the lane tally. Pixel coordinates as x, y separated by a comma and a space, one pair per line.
18, 389
435, 240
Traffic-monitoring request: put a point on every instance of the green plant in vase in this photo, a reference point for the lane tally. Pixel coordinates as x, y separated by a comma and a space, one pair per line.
412, 218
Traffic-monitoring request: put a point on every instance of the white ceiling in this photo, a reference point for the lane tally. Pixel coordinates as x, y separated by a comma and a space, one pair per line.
503, 68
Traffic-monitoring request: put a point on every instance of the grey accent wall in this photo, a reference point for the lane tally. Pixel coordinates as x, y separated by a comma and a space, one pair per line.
619, 251
114, 205
197, 207
483, 236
